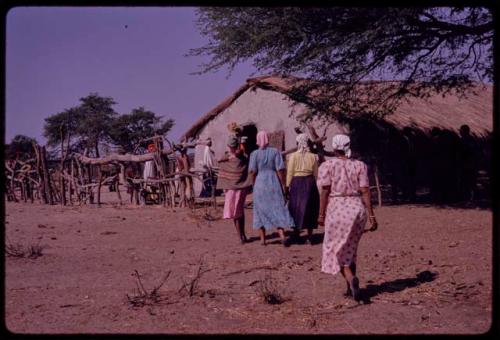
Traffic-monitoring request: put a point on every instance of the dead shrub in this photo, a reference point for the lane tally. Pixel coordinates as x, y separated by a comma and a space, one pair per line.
35, 251
269, 290
141, 296
14, 250
18, 250
191, 287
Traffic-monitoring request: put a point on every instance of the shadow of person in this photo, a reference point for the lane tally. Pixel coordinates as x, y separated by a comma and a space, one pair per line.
395, 285
317, 238
252, 239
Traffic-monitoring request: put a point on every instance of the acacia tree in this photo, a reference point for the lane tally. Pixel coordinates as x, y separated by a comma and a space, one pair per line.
63, 127
20, 147
129, 130
96, 116
346, 51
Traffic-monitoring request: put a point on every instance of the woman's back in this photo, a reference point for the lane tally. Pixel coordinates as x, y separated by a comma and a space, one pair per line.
265, 159
345, 176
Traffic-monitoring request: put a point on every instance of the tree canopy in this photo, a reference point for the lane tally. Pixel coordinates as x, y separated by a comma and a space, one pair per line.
347, 51
94, 123
62, 126
96, 117
129, 130
20, 148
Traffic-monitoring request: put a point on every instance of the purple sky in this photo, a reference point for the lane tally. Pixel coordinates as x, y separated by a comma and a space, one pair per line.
56, 55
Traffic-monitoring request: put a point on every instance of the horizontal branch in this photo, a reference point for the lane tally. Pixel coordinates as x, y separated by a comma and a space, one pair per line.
119, 158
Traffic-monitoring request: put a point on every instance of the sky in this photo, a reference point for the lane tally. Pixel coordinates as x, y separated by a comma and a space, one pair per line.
57, 55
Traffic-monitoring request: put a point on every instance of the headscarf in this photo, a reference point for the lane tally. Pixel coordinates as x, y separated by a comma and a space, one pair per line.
343, 143
262, 139
302, 140
151, 148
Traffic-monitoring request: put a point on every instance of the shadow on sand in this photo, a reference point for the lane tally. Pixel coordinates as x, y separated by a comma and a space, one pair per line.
395, 285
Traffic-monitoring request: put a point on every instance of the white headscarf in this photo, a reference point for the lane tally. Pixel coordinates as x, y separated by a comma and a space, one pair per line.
302, 145
342, 142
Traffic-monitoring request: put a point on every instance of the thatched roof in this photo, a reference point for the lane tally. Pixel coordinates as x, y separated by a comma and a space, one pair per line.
448, 112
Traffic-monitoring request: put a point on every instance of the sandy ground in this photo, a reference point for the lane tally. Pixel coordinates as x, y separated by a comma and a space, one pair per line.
426, 270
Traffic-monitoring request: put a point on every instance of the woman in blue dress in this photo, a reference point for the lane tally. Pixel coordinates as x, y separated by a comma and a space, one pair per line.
269, 207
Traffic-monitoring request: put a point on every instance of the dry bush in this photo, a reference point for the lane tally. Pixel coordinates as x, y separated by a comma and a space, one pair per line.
35, 251
269, 290
141, 296
14, 250
191, 287
18, 250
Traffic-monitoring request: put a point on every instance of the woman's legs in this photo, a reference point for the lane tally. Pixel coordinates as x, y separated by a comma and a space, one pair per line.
284, 240
239, 224
262, 234
309, 235
349, 273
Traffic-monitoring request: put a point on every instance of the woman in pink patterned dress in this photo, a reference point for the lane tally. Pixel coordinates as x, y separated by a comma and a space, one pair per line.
345, 197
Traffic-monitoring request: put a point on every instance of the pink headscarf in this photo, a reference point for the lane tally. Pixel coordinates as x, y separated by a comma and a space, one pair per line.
262, 139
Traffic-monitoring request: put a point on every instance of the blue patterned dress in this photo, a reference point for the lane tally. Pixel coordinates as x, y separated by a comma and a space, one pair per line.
269, 207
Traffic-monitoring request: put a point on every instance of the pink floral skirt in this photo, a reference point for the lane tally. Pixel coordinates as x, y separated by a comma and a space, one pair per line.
345, 220
234, 203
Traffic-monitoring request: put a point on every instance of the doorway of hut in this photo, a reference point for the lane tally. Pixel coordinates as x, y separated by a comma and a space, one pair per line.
249, 130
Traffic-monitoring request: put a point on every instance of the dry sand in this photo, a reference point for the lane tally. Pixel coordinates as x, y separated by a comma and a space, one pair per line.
426, 270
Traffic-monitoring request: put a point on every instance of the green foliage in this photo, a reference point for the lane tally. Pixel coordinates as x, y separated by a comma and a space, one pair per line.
95, 120
20, 147
61, 126
94, 123
129, 130
344, 48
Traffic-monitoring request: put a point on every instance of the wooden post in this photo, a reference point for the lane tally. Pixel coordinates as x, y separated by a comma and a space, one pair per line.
82, 181
117, 188
41, 194
99, 185
71, 183
62, 188
23, 191
12, 183
46, 177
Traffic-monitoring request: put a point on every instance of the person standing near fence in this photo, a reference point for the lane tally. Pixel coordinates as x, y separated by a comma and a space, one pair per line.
345, 207
149, 166
186, 182
233, 178
266, 169
208, 163
302, 170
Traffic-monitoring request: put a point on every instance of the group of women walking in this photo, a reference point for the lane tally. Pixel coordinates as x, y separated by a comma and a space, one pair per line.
342, 203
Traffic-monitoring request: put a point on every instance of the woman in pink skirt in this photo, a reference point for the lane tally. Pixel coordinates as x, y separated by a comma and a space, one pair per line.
344, 209
233, 178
